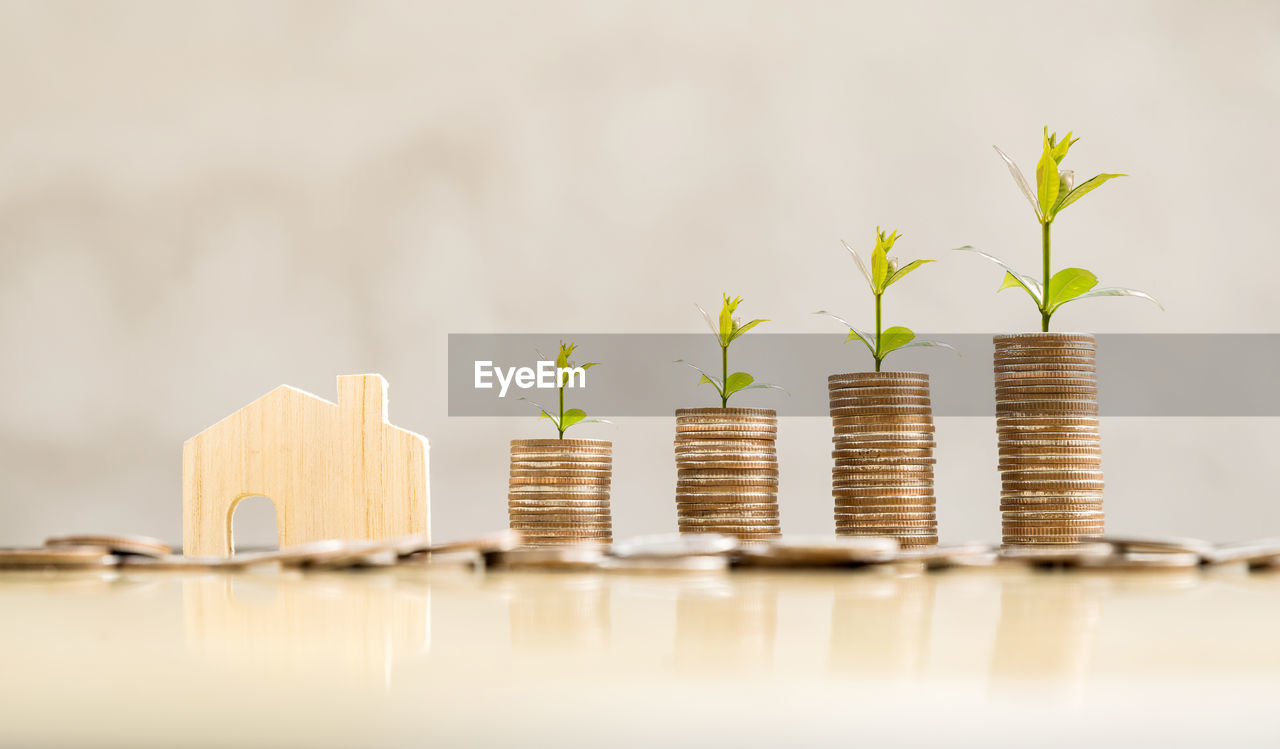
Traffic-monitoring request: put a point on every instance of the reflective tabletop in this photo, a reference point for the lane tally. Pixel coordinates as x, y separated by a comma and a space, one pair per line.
451, 656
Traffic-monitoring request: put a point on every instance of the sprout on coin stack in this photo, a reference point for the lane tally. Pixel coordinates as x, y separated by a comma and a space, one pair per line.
726, 460
1046, 383
558, 492
882, 480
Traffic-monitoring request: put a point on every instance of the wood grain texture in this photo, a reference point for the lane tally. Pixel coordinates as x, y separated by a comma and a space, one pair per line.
331, 470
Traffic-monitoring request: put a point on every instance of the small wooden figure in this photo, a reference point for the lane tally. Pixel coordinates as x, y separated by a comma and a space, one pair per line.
331, 470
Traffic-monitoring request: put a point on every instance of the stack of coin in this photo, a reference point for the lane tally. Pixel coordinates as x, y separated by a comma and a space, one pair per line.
559, 491
727, 472
1050, 447
882, 480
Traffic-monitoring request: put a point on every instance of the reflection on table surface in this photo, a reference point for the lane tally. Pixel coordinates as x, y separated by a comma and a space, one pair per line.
414, 655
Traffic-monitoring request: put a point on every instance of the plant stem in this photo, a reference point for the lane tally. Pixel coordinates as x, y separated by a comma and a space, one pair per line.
1045, 314
876, 354
724, 376
560, 424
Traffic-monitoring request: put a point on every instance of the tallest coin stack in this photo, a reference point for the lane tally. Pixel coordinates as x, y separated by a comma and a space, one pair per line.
1050, 447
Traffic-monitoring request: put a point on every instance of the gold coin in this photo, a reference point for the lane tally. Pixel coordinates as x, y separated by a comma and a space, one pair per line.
872, 401
736, 425
741, 531
548, 476
1045, 378
891, 504
543, 457
1050, 403
895, 480
1035, 352
711, 522
1007, 506
729, 478
887, 493
906, 512
843, 444
698, 507
727, 488
517, 481
1028, 388
727, 412
861, 395
1052, 360
852, 516
561, 462
727, 446
570, 443
868, 414
1051, 473
858, 467
58, 557
1043, 338
732, 435
1050, 517
557, 514
1053, 421
684, 499
1063, 553
558, 502
877, 379
732, 467
1075, 533
114, 543
1055, 450
177, 562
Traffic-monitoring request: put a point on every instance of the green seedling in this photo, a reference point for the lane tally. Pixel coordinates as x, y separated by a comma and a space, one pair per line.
884, 272
1055, 190
728, 329
566, 369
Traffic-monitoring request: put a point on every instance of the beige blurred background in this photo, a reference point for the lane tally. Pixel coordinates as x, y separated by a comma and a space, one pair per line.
200, 201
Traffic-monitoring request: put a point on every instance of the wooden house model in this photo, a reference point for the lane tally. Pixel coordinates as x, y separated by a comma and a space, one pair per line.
331, 470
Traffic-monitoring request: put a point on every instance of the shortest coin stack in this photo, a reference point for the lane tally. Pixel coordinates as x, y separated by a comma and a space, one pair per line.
882, 478
727, 472
559, 491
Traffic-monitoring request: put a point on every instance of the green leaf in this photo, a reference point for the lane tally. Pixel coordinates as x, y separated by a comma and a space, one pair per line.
861, 265
904, 270
572, 416
708, 378
588, 365
1028, 283
1086, 187
928, 342
739, 330
895, 338
879, 269
765, 386
726, 319
1067, 284
864, 337
566, 350
1047, 182
853, 332
1021, 180
1116, 291
1060, 147
737, 381
710, 323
